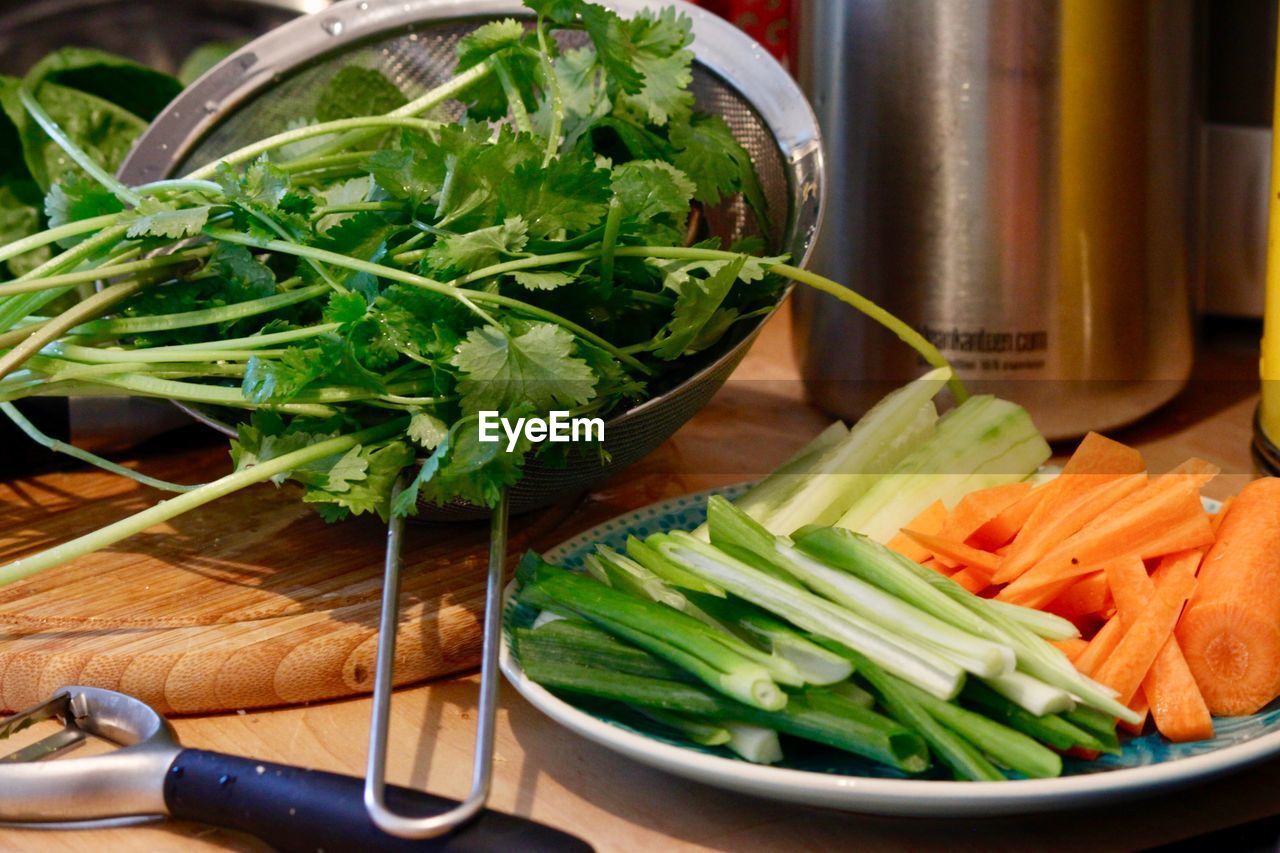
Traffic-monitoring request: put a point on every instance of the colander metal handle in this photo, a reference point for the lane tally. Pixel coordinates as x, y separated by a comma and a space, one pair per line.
390, 821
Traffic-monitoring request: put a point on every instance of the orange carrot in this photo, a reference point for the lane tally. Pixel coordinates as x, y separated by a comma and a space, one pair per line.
1072, 647
1216, 521
1081, 500
1140, 707
1070, 502
1100, 647
1088, 596
1000, 531
1230, 633
1124, 670
971, 580
955, 553
1163, 517
1175, 702
979, 507
941, 568
929, 521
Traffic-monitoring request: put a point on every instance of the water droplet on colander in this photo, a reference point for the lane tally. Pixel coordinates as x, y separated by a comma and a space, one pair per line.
332, 26
248, 60
211, 107
362, 6
164, 146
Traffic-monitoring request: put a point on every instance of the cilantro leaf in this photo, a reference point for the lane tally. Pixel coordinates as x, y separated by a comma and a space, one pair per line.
77, 197
244, 275
136, 88
456, 254
426, 429
159, 219
500, 370
708, 153
540, 280
569, 194
584, 100
659, 45
698, 301
372, 493
356, 91
353, 466
486, 99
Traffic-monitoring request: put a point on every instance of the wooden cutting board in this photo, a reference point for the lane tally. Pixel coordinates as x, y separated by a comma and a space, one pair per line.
251, 601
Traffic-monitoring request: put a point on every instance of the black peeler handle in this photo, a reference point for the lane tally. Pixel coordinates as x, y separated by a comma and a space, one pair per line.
309, 810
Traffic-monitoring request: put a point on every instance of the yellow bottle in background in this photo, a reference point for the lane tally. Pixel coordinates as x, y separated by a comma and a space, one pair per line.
1269, 409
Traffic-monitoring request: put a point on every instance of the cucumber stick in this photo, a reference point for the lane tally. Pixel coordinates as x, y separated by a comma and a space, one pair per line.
983, 442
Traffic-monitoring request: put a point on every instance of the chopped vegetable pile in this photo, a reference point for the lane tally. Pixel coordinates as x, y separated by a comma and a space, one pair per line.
353, 291
960, 641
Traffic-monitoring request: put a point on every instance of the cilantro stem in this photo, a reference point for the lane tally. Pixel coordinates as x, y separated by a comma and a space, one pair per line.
216, 395
83, 160
165, 510
85, 456
203, 316
299, 134
13, 309
514, 100
612, 222
53, 329
96, 273
450, 290
311, 163
354, 207
99, 355
552, 81
53, 235
905, 333
179, 185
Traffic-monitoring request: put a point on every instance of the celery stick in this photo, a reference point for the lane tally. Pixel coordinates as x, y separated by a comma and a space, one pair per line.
754, 743
1101, 726
1034, 695
717, 659
893, 573
610, 567
690, 728
787, 477
816, 664
1051, 729
894, 427
965, 761
649, 557
1003, 745
1047, 625
851, 692
983, 442
590, 646
854, 729
816, 615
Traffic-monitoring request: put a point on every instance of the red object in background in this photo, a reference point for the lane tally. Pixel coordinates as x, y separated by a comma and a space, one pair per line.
767, 21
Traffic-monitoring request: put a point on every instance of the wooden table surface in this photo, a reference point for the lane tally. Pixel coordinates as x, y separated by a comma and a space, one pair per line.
546, 772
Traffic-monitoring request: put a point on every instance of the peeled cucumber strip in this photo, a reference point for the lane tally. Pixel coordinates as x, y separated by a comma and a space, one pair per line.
844, 472
981, 443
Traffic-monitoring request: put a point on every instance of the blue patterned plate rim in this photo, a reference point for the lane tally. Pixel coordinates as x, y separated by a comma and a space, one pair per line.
1146, 766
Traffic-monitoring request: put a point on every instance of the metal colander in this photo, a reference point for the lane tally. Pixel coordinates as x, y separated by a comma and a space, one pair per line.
276, 79
263, 87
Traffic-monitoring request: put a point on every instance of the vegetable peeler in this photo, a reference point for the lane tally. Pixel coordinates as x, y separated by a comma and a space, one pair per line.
151, 777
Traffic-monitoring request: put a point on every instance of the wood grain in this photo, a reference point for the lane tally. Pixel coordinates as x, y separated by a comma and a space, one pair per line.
248, 602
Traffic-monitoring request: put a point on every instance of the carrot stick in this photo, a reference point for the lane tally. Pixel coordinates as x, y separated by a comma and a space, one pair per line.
1081, 500
929, 521
941, 568
956, 553
1100, 647
1175, 701
971, 580
1124, 670
1163, 517
1072, 647
1088, 596
1000, 531
1139, 706
979, 507
1230, 633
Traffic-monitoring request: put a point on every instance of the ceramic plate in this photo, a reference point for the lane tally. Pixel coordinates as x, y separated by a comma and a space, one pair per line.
821, 776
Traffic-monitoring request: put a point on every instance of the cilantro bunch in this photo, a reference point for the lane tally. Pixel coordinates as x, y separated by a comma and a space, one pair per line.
352, 292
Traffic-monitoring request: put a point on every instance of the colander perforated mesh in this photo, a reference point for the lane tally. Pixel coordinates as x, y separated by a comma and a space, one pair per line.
422, 56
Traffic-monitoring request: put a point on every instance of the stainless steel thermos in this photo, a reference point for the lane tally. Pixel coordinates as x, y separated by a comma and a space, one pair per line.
1012, 177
